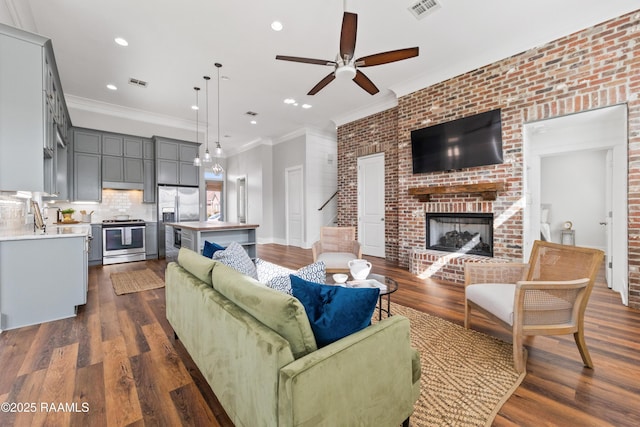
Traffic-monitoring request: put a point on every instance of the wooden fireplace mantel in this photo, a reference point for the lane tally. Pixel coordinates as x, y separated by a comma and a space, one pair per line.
487, 190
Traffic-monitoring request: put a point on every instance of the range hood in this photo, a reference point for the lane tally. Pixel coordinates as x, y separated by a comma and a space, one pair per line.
116, 185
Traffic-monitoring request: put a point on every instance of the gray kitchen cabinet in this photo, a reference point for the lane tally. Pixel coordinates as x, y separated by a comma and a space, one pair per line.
87, 141
30, 106
112, 145
133, 147
95, 245
189, 174
133, 170
149, 184
48, 290
151, 240
167, 150
174, 162
147, 149
167, 172
87, 177
112, 169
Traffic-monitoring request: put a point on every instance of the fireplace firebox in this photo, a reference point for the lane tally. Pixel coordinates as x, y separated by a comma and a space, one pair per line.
470, 233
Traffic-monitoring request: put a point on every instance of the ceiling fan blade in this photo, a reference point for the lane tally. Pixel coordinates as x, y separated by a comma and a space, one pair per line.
348, 35
387, 57
364, 82
305, 60
322, 84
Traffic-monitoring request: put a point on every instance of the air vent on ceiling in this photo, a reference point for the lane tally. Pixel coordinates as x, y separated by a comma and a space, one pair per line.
423, 8
251, 113
137, 82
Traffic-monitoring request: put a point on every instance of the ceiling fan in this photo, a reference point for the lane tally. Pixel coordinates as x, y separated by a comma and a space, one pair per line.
345, 66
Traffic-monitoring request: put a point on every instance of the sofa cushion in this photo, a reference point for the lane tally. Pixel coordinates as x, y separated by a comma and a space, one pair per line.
334, 311
211, 248
196, 264
281, 312
277, 277
236, 257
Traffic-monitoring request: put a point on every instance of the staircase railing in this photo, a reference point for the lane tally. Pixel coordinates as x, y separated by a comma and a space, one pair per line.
328, 200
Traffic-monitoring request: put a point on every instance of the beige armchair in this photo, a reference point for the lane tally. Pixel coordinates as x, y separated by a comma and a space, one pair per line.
547, 296
336, 247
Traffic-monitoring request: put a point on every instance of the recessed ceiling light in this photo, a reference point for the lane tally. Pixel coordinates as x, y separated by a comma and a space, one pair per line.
112, 87
121, 41
194, 107
253, 122
225, 78
289, 101
305, 106
276, 26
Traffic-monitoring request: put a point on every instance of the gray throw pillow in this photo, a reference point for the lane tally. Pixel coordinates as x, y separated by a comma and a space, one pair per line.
237, 258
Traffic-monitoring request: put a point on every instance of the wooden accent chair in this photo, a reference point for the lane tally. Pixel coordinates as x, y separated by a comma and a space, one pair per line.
336, 247
547, 296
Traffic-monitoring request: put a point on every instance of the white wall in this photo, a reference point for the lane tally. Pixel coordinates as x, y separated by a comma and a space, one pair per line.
573, 185
255, 165
321, 179
286, 154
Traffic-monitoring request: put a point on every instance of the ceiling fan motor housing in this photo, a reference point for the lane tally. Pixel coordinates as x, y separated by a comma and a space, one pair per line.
346, 72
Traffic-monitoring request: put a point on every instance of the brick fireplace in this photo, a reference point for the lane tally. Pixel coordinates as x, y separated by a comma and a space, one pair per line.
467, 233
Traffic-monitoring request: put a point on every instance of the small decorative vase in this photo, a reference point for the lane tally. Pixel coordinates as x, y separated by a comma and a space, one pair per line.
359, 268
67, 217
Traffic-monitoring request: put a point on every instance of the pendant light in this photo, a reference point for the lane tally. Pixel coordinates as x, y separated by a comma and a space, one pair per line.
196, 161
207, 156
217, 168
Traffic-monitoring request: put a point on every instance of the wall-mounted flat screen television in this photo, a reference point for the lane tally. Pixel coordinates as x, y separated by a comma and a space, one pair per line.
463, 143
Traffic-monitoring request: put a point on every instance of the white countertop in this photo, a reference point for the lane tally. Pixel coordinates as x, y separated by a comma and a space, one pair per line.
53, 232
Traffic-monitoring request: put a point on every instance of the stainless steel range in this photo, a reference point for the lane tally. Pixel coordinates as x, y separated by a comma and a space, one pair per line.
123, 241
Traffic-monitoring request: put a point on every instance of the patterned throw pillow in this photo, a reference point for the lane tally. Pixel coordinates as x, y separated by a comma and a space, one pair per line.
315, 272
268, 270
237, 258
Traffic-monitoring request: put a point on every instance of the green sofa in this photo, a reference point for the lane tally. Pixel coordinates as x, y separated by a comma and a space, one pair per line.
255, 347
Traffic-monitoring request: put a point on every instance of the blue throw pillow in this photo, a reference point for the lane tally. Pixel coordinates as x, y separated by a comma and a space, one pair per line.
211, 248
334, 311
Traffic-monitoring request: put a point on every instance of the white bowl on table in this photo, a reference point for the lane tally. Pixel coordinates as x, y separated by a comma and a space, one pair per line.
340, 278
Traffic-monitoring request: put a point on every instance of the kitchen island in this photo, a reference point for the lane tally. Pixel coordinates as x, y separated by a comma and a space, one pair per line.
195, 233
43, 276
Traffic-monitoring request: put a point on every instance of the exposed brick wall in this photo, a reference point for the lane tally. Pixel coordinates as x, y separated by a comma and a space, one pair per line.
374, 134
597, 67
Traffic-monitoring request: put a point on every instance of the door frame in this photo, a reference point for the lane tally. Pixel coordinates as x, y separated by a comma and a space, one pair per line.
618, 146
360, 202
287, 200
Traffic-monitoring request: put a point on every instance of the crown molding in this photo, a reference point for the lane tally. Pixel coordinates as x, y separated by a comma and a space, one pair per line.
389, 100
21, 15
107, 109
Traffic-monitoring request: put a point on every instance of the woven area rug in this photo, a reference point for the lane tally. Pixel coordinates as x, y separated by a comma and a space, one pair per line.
127, 282
466, 375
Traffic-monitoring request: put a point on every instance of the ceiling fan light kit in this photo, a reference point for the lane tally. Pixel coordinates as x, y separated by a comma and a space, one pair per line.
345, 67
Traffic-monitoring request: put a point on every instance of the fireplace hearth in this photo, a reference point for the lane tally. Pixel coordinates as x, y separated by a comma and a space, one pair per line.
469, 233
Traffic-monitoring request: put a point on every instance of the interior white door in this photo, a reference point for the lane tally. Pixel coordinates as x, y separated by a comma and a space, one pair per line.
608, 220
371, 228
294, 189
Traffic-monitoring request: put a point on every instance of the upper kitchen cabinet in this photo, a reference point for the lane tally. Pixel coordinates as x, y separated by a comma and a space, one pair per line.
34, 119
87, 165
174, 162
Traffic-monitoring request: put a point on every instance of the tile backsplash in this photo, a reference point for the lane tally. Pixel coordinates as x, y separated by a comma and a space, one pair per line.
13, 212
114, 202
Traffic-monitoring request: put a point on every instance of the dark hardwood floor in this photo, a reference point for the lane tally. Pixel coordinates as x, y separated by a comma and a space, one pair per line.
116, 363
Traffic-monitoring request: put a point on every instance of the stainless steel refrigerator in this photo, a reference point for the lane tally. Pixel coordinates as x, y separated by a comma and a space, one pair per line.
175, 204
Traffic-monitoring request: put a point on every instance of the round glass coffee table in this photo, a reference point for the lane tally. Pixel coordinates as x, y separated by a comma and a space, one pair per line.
390, 287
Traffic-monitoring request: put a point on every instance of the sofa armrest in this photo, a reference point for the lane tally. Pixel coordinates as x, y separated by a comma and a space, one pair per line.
363, 379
